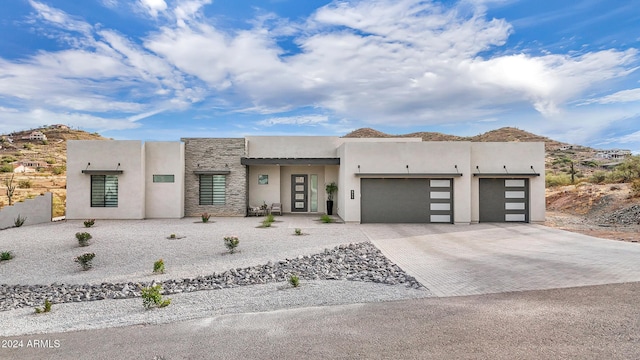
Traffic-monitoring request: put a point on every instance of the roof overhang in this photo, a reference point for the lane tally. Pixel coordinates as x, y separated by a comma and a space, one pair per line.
102, 172
504, 175
408, 175
290, 161
211, 172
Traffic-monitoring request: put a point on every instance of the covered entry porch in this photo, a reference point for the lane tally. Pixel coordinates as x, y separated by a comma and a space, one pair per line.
296, 183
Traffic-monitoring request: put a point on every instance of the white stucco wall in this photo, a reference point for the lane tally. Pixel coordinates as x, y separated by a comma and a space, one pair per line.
392, 158
105, 155
292, 146
518, 157
164, 200
268, 193
35, 211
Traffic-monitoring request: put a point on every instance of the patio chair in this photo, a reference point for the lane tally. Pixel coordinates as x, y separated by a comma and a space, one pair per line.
276, 208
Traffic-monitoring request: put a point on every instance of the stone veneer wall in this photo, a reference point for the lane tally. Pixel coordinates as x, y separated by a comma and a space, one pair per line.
215, 154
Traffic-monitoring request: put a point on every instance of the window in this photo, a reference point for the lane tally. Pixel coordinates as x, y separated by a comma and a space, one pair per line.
213, 189
104, 191
163, 178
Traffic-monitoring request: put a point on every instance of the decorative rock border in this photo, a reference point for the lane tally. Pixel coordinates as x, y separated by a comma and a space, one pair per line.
356, 262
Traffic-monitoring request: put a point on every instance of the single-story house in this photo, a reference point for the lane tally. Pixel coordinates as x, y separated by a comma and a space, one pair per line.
387, 180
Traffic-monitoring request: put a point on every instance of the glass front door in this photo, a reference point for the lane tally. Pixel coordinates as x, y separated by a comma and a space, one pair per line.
299, 193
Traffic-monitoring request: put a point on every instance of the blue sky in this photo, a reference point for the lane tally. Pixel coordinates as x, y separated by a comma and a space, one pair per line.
165, 69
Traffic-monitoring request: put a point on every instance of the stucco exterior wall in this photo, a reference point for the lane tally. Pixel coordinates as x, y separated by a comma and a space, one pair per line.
267, 193
392, 158
105, 155
35, 211
518, 157
221, 155
164, 200
292, 146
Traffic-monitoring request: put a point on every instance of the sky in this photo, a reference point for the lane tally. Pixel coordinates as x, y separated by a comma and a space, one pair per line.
166, 69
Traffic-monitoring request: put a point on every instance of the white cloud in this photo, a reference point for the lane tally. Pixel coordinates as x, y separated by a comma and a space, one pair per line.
154, 6
295, 120
618, 97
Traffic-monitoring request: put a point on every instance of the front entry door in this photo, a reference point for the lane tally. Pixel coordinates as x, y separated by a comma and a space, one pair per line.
299, 192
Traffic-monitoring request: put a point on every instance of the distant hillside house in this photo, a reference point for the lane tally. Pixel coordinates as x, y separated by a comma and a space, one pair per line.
35, 135
59, 127
32, 163
613, 154
19, 168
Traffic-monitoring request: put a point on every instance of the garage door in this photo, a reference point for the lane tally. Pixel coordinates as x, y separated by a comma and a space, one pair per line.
504, 200
406, 201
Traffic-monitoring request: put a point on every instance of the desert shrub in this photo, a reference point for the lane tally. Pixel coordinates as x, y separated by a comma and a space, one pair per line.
84, 260
28, 146
83, 238
231, 242
298, 231
19, 221
50, 161
205, 217
294, 280
89, 223
266, 223
598, 177
172, 236
635, 188
151, 297
8, 160
58, 170
158, 267
46, 308
25, 184
6, 255
557, 180
6, 168
45, 142
326, 219
270, 218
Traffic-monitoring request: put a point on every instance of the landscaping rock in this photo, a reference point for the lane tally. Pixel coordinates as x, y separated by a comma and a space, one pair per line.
355, 262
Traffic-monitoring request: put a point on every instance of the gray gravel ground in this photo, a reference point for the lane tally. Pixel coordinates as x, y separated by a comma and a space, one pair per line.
125, 252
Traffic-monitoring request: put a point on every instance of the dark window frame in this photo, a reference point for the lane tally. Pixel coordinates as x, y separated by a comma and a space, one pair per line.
212, 189
104, 191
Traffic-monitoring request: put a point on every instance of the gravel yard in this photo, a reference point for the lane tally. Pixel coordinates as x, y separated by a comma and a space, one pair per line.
203, 278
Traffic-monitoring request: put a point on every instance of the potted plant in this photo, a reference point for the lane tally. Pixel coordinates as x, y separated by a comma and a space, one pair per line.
331, 189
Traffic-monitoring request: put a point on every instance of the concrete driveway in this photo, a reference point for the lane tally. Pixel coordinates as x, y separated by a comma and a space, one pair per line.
454, 260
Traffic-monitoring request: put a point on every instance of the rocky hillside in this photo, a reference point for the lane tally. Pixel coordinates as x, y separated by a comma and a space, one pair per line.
44, 163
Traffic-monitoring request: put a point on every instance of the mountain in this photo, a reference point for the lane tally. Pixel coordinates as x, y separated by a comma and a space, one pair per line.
499, 135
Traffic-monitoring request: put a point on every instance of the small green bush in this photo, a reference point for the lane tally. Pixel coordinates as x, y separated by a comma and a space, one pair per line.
270, 218
635, 188
151, 297
46, 308
83, 238
298, 231
326, 219
557, 180
19, 221
89, 223
231, 242
50, 161
294, 280
158, 267
6, 168
25, 184
6, 255
58, 170
266, 223
84, 260
27, 146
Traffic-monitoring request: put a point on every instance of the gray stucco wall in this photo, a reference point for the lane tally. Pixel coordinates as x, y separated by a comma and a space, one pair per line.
36, 211
217, 155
